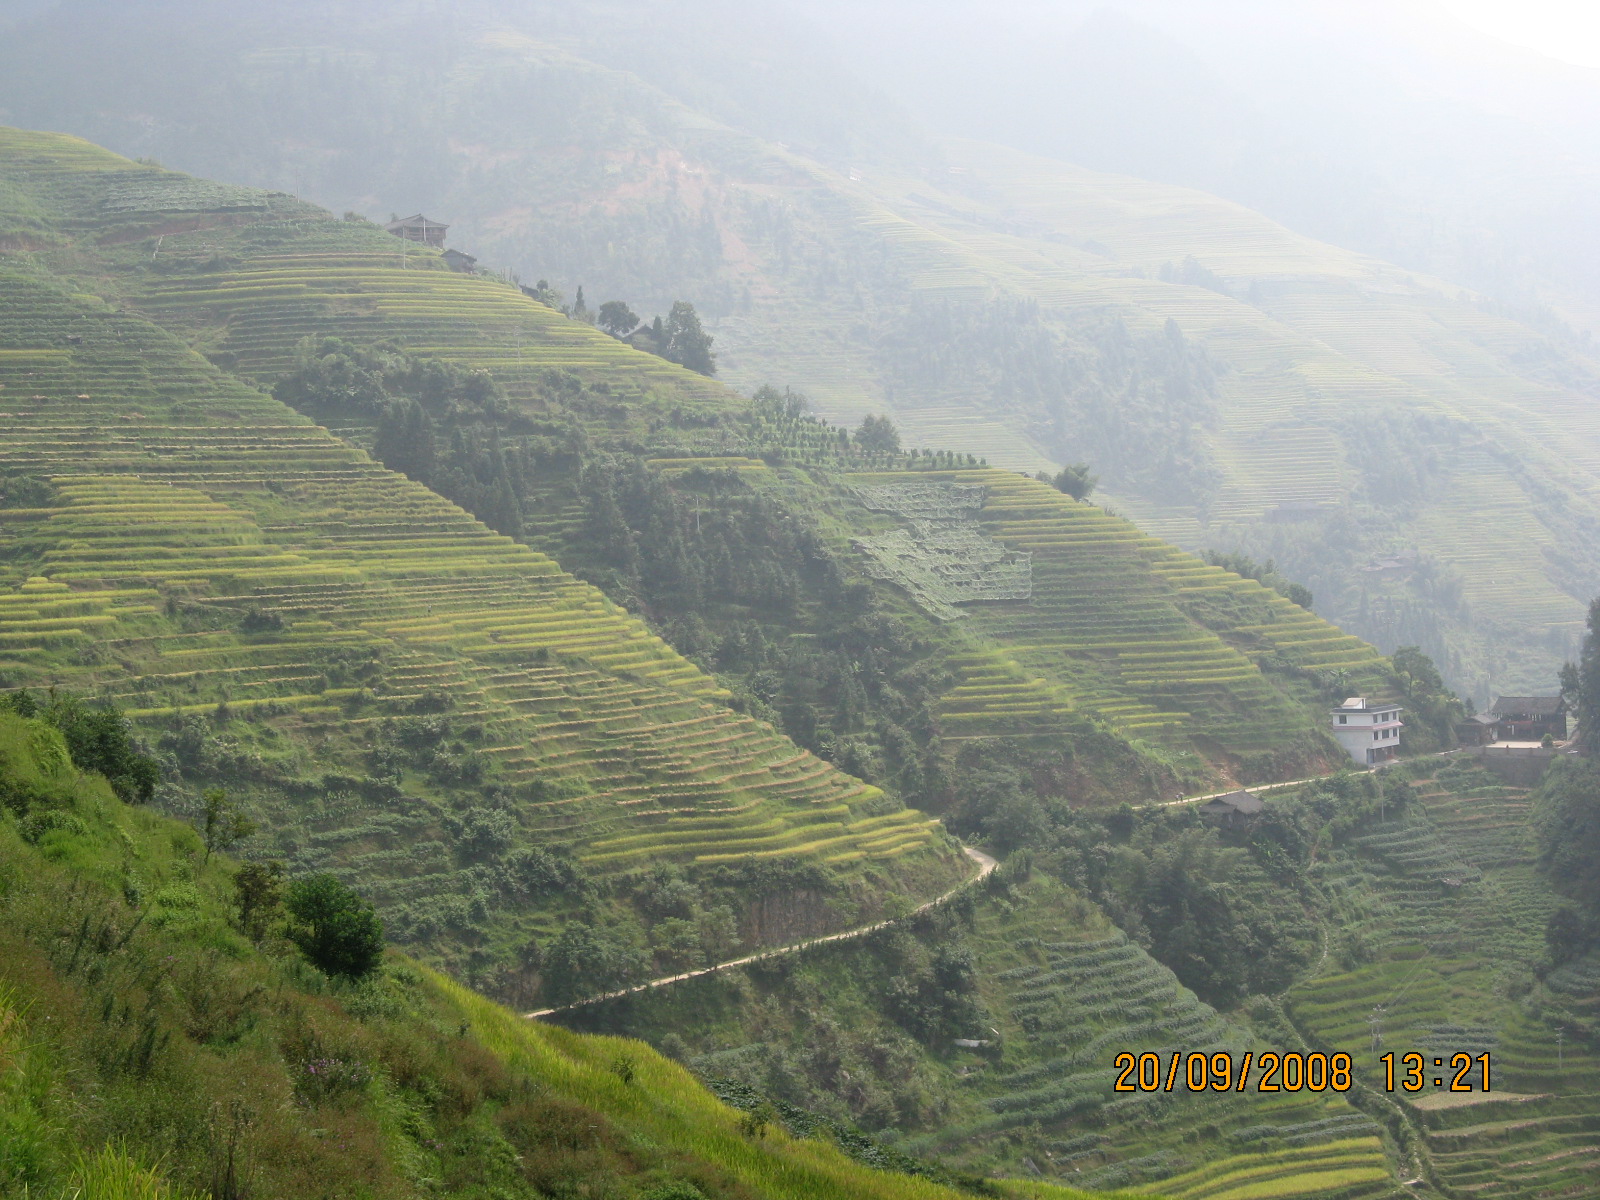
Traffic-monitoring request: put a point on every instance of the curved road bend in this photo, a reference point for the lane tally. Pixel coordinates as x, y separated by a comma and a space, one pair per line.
986, 865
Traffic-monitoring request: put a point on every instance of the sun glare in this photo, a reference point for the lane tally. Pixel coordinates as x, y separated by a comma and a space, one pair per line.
1568, 30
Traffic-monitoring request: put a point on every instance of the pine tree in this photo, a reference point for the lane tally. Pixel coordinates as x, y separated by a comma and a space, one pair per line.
687, 342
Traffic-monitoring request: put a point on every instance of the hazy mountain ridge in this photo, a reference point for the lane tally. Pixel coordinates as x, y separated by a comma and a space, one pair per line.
979, 295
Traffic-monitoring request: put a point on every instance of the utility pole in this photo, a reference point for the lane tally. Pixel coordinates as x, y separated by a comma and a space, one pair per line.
1376, 1021
1560, 1034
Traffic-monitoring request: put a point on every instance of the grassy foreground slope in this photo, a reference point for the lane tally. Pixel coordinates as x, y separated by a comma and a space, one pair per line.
149, 1049
1115, 628
402, 694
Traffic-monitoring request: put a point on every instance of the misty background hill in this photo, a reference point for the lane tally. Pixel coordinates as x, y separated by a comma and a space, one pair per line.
1316, 288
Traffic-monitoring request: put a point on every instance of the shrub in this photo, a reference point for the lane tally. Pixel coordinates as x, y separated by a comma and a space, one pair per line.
338, 932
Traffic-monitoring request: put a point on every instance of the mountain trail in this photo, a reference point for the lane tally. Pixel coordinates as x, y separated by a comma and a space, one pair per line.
986, 865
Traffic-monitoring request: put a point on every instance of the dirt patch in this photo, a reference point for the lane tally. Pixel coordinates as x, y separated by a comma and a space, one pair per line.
1442, 1100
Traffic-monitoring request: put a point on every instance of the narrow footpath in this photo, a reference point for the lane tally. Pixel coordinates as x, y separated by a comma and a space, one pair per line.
986, 866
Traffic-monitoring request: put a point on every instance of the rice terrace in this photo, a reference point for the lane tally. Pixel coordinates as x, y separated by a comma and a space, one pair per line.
989, 600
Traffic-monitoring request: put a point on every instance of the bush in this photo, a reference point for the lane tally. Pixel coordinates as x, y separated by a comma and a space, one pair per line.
337, 930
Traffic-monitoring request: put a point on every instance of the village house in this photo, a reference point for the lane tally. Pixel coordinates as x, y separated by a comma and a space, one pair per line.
1236, 808
417, 228
1529, 718
1369, 730
1476, 730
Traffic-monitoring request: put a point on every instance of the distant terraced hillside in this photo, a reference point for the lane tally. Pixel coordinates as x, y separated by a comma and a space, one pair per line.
1325, 408
205, 553
1113, 625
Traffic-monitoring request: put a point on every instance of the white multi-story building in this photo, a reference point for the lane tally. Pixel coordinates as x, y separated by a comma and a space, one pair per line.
1368, 731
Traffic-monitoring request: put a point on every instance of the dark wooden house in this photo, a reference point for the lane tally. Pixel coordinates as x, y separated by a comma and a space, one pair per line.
1529, 718
458, 261
417, 228
1235, 808
1476, 730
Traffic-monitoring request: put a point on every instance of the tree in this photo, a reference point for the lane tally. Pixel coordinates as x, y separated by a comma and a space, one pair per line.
585, 961
878, 435
404, 441
580, 310
258, 897
686, 342
1076, 480
223, 825
101, 739
617, 319
1588, 684
1566, 817
336, 929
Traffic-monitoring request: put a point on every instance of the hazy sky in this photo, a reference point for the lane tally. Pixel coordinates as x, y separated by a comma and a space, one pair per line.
1564, 29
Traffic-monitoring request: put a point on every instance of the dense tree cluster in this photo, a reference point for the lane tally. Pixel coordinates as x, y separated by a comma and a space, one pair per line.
98, 739
440, 424
1135, 403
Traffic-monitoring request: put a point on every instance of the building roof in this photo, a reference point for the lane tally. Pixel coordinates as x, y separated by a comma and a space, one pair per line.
1239, 802
415, 221
1362, 704
1528, 706
1482, 718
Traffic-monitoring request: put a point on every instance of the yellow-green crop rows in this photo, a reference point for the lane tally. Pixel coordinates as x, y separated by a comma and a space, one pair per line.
186, 506
248, 275
1124, 625
1065, 1009
1444, 909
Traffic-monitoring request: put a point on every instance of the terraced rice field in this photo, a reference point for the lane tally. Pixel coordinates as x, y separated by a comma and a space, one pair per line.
1126, 626
1065, 1009
187, 505
247, 275
1444, 902
1316, 350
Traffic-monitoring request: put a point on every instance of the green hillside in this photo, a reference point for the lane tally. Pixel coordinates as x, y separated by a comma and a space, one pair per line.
1345, 902
1306, 403
402, 694
149, 1048
1438, 917
1110, 630
1046, 991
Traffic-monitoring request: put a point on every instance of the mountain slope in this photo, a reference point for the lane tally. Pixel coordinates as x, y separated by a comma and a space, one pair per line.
1329, 410
154, 1049
1107, 624
307, 624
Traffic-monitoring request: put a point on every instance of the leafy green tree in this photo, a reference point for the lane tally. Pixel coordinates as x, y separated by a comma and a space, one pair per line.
404, 440
222, 824
877, 435
1567, 934
258, 897
617, 319
335, 928
101, 739
25, 491
685, 341
580, 310
585, 961
1077, 481
1566, 817
1588, 683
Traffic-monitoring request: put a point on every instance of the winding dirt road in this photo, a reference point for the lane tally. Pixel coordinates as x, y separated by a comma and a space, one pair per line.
986, 866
